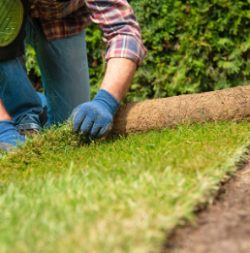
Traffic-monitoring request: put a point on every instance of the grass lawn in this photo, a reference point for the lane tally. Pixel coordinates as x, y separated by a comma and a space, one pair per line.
119, 196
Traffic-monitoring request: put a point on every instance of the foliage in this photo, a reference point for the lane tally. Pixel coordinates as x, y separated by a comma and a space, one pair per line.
95, 49
193, 46
31, 62
196, 46
32, 67
121, 196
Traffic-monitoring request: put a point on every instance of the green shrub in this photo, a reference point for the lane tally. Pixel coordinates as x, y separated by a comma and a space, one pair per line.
32, 68
193, 46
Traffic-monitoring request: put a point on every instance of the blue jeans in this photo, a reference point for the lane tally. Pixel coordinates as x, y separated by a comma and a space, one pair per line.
65, 78
18, 95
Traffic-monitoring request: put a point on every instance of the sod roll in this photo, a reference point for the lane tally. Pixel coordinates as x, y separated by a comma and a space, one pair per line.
229, 104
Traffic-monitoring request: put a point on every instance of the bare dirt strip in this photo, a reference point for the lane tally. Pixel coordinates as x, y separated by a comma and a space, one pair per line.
224, 227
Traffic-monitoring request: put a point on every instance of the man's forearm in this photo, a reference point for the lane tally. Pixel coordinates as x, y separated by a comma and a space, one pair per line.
118, 77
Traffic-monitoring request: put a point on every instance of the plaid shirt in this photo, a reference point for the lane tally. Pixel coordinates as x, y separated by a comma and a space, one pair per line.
116, 19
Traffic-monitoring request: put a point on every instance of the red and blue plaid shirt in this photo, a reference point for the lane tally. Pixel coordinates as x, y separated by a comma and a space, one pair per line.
116, 19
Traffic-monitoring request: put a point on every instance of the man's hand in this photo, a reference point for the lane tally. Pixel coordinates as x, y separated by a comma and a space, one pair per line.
94, 119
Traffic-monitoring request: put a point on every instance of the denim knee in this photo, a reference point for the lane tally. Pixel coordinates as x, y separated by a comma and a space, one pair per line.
18, 95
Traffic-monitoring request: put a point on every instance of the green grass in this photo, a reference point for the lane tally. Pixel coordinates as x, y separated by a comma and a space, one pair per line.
119, 196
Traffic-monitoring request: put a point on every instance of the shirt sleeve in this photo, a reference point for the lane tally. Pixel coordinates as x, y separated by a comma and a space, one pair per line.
120, 28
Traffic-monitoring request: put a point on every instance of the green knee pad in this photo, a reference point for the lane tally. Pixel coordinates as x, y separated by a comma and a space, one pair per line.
11, 20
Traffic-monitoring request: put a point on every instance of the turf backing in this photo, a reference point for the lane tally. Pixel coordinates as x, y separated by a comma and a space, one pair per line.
120, 196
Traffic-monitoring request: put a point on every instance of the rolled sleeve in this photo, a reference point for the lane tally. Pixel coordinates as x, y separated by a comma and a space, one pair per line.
120, 28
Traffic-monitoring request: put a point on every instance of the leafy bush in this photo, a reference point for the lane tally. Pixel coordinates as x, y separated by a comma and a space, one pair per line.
193, 46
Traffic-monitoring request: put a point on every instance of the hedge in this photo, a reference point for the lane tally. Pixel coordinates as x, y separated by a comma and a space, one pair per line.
193, 46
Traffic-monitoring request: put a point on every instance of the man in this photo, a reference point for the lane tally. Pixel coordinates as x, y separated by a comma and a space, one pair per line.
56, 31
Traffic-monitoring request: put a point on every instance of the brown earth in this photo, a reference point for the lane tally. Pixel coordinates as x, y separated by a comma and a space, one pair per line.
224, 227
223, 105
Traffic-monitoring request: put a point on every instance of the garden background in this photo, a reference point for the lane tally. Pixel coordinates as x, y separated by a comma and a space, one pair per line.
193, 46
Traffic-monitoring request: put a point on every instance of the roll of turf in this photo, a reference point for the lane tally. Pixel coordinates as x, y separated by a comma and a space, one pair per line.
224, 105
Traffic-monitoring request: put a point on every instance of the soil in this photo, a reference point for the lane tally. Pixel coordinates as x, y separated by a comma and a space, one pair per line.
224, 227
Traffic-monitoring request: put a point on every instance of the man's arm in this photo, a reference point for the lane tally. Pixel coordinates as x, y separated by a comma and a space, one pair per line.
125, 51
121, 31
118, 77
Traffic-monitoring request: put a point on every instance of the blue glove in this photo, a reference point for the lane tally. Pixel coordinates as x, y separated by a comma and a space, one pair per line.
94, 119
9, 136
